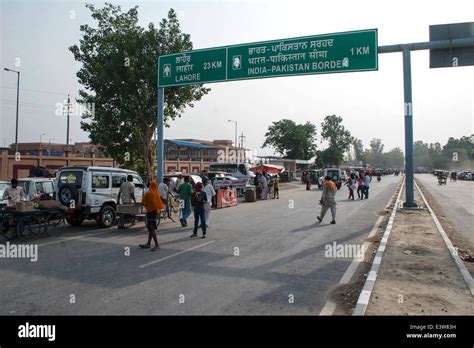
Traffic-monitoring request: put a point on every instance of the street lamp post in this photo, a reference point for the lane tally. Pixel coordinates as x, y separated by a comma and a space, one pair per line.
235, 132
41, 147
17, 104
49, 148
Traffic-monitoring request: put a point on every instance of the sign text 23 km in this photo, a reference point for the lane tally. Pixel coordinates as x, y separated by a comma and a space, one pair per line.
320, 54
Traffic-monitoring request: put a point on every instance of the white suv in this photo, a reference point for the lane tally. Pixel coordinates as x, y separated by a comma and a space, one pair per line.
91, 192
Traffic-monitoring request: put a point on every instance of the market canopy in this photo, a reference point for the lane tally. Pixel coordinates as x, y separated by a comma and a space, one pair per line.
269, 168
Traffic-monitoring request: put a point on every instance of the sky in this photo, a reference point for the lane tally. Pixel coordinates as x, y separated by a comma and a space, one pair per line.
35, 36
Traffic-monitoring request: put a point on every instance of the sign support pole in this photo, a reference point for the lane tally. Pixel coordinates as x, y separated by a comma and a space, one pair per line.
159, 135
406, 49
409, 193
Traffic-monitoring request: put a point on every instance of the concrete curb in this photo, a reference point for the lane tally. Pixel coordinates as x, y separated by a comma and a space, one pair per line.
452, 250
330, 306
366, 292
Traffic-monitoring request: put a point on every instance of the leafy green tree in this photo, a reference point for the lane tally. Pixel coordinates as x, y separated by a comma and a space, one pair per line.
458, 153
421, 155
294, 141
339, 138
358, 149
119, 78
376, 153
394, 158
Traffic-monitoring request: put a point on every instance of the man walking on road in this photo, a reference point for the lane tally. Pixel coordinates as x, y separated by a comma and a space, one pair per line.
198, 201
367, 180
328, 199
153, 205
210, 192
185, 190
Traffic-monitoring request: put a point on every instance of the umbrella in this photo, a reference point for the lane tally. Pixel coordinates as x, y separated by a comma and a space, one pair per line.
269, 168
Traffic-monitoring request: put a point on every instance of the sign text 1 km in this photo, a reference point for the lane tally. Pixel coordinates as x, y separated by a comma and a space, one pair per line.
320, 54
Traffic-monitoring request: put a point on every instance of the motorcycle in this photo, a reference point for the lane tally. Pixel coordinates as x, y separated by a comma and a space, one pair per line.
441, 180
379, 178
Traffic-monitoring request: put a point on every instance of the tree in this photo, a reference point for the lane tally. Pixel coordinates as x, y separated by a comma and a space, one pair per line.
358, 149
119, 74
394, 158
376, 153
458, 153
295, 141
339, 138
421, 156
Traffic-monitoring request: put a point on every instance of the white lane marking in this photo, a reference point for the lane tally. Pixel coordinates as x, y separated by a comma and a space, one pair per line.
73, 238
462, 268
330, 306
364, 297
175, 254
293, 212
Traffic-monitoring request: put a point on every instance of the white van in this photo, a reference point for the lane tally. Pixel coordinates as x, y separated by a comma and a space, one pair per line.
37, 186
91, 192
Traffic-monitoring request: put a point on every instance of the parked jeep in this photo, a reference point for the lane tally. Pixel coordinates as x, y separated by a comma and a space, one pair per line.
91, 192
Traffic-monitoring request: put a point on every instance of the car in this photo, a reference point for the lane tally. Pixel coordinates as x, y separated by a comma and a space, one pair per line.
211, 174
193, 178
91, 192
34, 187
335, 174
228, 181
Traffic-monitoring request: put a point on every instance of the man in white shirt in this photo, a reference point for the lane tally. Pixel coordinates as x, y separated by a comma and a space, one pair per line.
178, 182
367, 180
14, 193
127, 191
210, 192
163, 189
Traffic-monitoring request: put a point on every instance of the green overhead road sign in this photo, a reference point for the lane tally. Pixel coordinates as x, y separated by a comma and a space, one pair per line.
320, 54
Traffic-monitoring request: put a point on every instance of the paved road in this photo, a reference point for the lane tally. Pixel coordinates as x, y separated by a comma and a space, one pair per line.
281, 257
457, 201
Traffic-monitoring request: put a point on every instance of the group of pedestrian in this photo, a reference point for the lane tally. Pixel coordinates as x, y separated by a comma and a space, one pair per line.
157, 198
200, 200
267, 185
359, 182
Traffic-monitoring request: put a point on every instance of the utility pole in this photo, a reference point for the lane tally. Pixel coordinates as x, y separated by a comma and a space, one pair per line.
235, 122
67, 131
242, 137
17, 105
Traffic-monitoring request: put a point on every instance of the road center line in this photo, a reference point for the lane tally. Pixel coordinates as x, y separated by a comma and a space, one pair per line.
293, 212
175, 254
73, 238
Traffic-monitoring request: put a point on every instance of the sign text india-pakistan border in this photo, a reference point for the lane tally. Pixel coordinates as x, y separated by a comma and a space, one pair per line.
329, 53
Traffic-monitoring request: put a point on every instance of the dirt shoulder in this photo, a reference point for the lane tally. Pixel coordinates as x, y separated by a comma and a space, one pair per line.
417, 275
465, 248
